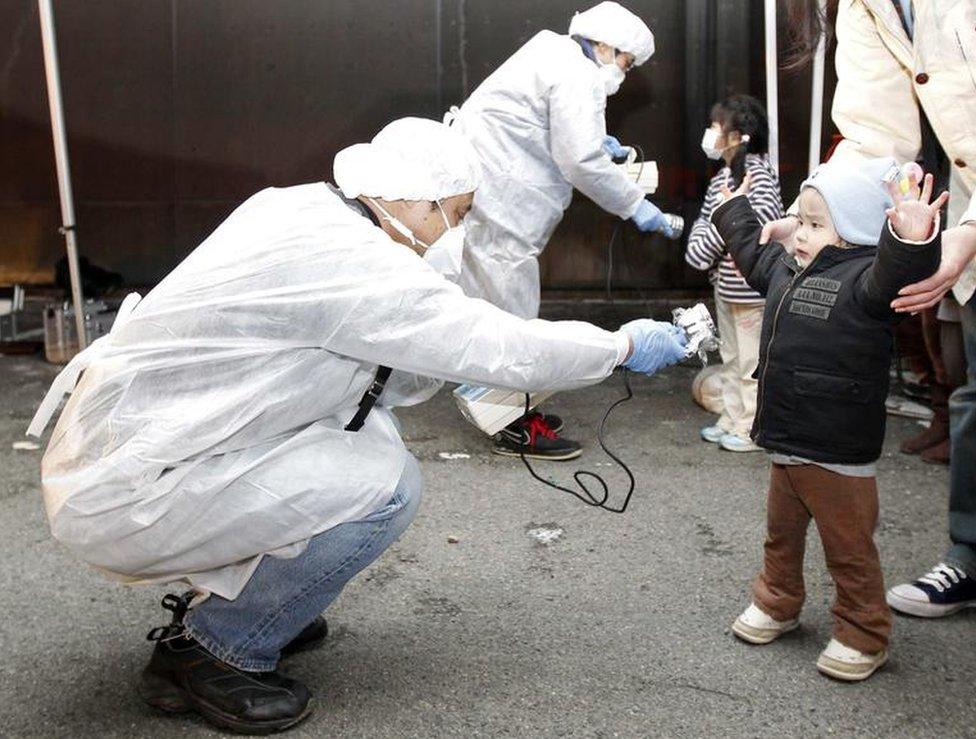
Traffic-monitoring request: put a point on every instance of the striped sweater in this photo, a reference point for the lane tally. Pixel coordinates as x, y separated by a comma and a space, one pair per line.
706, 250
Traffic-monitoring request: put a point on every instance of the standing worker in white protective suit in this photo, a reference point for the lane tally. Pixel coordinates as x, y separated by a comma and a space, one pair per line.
538, 126
224, 435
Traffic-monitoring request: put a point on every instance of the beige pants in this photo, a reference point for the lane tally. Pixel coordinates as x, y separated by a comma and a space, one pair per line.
739, 326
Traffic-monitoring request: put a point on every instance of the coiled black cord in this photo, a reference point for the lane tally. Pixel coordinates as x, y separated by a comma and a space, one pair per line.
585, 494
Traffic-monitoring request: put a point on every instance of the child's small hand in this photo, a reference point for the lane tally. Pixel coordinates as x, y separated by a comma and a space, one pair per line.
742, 189
912, 219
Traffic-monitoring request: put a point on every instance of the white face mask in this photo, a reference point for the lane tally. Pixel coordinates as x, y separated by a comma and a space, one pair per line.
612, 75
708, 144
709, 141
445, 254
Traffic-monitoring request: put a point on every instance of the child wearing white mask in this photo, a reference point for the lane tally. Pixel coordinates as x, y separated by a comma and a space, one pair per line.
739, 135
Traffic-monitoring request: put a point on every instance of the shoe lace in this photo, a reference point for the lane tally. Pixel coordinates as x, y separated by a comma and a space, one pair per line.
178, 605
943, 576
537, 426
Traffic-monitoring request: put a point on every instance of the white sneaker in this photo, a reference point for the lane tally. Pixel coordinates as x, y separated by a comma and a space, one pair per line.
713, 434
843, 663
755, 627
736, 443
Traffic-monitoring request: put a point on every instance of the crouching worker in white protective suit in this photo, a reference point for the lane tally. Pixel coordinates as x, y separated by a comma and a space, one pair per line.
221, 435
538, 126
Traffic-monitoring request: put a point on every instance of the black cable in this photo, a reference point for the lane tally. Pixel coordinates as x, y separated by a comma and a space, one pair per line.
587, 496
617, 230
640, 156
613, 237
584, 494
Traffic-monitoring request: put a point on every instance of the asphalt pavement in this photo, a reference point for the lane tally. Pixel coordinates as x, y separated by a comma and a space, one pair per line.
511, 609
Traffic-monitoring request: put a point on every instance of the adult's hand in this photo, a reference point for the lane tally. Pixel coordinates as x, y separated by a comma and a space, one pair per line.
655, 344
958, 250
781, 230
614, 148
648, 216
743, 189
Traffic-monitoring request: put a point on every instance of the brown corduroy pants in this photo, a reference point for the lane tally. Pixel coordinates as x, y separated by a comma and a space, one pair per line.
845, 510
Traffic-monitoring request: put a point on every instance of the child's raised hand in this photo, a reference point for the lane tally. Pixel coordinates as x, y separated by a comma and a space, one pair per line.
912, 216
742, 189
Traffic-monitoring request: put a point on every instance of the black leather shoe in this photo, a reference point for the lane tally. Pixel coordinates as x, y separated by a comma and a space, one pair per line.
311, 637
183, 676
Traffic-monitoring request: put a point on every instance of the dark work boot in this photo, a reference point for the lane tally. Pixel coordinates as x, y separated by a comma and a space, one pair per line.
938, 430
183, 676
938, 454
927, 438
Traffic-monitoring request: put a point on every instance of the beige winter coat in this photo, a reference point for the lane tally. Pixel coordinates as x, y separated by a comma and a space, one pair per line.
883, 77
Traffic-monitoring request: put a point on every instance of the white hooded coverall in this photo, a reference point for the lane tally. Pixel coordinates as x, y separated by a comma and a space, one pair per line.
537, 124
207, 429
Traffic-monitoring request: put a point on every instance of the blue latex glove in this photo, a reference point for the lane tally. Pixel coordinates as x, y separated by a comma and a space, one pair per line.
672, 227
614, 148
648, 217
656, 345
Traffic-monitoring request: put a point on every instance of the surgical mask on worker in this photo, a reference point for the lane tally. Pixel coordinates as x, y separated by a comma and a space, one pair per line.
445, 254
612, 76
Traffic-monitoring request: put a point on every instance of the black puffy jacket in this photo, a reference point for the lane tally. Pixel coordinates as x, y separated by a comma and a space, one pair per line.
827, 337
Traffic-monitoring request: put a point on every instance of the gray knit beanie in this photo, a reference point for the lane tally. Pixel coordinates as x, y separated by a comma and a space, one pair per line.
856, 196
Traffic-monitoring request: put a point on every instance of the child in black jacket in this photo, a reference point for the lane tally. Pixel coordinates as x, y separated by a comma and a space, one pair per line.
823, 378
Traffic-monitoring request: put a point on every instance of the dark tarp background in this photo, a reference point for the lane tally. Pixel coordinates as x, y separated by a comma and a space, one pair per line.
177, 110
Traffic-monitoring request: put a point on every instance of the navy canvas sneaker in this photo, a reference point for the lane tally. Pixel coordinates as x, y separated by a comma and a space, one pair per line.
941, 592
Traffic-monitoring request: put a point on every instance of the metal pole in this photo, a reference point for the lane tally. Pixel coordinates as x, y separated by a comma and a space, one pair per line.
816, 98
61, 161
772, 83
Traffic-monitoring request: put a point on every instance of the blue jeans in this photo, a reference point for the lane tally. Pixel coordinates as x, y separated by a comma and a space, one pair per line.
962, 470
285, 595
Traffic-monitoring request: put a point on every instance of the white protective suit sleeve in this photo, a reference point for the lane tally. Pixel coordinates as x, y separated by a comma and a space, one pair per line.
409, 317
577, 109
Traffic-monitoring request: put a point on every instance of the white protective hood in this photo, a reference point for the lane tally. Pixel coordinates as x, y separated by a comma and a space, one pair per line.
409, 159
614, 25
